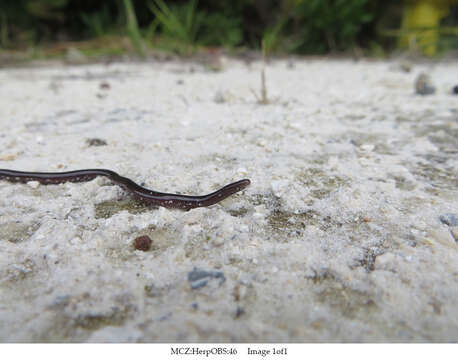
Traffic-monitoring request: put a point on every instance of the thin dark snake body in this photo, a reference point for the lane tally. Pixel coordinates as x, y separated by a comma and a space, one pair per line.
176, 201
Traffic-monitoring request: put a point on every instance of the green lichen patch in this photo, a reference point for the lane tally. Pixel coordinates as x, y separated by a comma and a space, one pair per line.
107, 209
153, 291
94, 321
269, 200
368, 259
69, 329
238, 212
288, 222
435, 175
442, 135
349, 302
17, 231
322, 277
21, 271
320, 183
74, 319
197, 247
402, 183
362, 138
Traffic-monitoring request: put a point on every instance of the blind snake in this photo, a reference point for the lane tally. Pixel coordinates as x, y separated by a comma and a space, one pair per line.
185, 202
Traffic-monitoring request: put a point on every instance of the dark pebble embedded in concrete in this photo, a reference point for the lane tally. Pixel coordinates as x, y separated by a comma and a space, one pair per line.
423, 85
96, 142
449, 219
239, 312
199, 278
104, 85
152, 291
143, 243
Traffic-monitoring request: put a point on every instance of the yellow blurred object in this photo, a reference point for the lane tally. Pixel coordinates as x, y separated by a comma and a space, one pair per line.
420, 24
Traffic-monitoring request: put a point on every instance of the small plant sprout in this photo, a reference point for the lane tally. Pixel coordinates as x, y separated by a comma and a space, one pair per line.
262, 98
179, 24
132, 27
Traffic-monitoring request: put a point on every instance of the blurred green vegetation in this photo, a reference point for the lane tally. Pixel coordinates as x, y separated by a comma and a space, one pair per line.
184, 26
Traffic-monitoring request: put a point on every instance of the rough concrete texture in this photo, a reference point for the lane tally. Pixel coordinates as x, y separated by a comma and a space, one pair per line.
347, 233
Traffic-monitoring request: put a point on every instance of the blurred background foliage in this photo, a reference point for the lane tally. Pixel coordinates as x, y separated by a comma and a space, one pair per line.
184, 26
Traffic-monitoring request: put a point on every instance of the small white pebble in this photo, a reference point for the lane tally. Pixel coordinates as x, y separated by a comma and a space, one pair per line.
312, 229
420, 225
33, 184
296, 125
279, 187
384, 261
261, 209
367, 147
218, 241
333, 161
75, 241
261, 143
242, 171
365, 162
415, 232
244, 228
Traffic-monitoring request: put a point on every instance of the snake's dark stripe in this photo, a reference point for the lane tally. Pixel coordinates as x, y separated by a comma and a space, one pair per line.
185, 202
